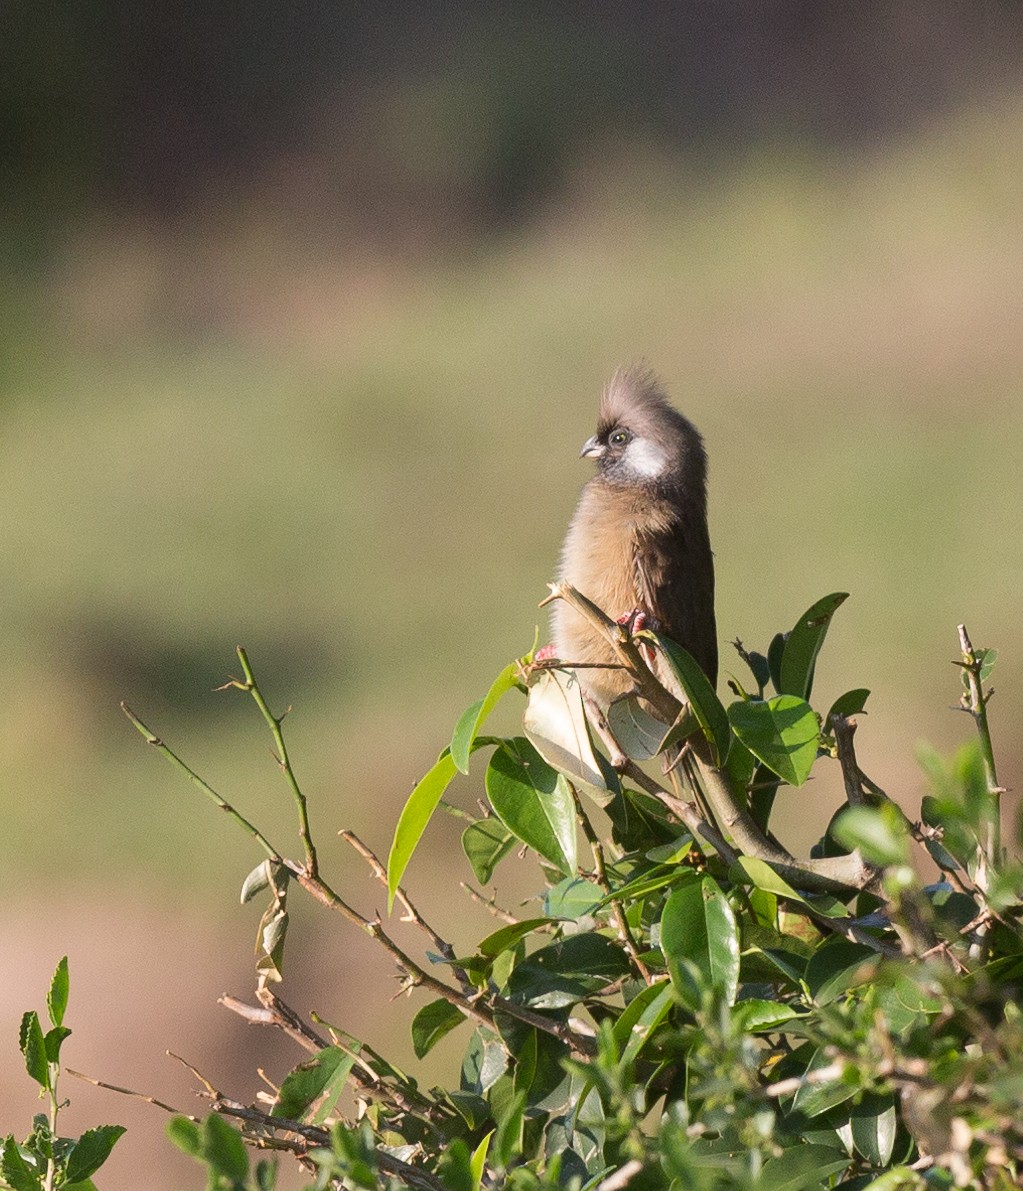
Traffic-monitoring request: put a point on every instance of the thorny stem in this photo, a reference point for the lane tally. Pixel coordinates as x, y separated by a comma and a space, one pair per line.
411, 913
975, 702
274, 722
489, 904
624, 931
266, 1128
482, 1009
274, 1012
205, 787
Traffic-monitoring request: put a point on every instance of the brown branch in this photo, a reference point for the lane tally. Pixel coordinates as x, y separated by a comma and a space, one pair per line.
665, 706
411, 1176
852, 776
275, 1012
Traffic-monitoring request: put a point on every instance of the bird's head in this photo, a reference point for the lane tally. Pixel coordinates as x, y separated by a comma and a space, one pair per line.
641, 440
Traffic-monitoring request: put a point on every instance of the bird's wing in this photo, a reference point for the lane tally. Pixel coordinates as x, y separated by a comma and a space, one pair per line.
675, 588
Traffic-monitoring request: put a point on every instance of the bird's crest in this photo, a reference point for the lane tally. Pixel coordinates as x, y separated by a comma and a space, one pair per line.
630, 392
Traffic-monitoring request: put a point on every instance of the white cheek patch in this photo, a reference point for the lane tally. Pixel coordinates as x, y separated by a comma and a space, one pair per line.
645, 459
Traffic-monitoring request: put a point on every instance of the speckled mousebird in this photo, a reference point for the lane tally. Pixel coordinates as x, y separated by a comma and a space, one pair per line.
638, 541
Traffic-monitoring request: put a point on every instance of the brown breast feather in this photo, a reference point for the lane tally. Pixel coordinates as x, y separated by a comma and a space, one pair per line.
628, 550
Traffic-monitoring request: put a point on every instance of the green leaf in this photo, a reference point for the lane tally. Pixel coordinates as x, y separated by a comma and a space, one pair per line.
455, 1167
91, 1150
534, 802
484, 1062
802, 1166
185, 1135
564, 972
818, 1094
555, 722
473, 718
874, 1126
478, 1163
758, 1015
774, 655
508, 1135
509, 935
879, 832
33, 1047
851, 703
782, 732
837, 966
706, 705
319, 1079
700, 941
266, 1175
421, 804
764, 877
804, 643
640, 1018
53, 1040
758, 666
223, 1148
431, 1023
16, 1171
573, 898
486, 843
636, 730
56, 998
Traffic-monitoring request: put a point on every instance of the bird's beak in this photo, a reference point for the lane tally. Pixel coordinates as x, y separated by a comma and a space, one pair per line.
592, 449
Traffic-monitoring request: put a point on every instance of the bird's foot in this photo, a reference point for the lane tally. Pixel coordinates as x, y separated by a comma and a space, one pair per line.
634, 621
545, 653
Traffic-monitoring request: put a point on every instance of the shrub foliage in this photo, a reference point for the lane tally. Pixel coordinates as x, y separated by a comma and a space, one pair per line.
688, 1004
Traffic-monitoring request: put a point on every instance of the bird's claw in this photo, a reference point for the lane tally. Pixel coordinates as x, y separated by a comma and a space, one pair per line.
634, 621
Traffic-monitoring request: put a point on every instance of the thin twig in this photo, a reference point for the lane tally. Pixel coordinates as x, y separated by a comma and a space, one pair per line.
207, 789
479, 1008
411, 1176
273, 1011
276, 1013
624, 931
975, 702
411, 913
283, 760
489, 904
112, 1087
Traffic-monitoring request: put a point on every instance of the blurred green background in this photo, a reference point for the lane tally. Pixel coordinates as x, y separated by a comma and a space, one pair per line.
306, 313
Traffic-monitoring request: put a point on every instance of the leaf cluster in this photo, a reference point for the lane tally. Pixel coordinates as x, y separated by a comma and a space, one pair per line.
45, 1160
687, 1004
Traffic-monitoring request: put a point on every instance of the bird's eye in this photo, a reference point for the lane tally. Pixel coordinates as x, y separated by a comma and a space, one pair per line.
618, 438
